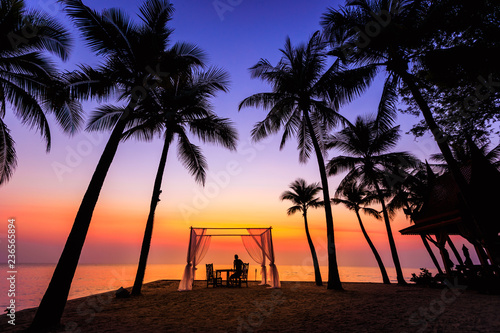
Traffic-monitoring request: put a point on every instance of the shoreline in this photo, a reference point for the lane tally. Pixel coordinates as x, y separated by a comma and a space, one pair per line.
296, 307
92, 279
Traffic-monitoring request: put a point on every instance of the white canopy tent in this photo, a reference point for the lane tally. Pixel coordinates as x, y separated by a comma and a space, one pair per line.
257, 241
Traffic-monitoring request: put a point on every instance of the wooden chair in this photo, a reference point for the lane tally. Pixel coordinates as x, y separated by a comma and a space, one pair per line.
244, 274
213, 279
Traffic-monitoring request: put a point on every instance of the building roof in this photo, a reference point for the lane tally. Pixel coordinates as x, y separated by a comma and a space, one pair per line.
445, 210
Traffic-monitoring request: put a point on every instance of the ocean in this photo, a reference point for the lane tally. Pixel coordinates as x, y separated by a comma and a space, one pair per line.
32, 279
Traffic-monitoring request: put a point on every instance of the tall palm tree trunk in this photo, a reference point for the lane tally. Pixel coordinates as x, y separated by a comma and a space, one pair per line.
392, 244
317, 273
51, 307
385, 277
146, 242
333, 270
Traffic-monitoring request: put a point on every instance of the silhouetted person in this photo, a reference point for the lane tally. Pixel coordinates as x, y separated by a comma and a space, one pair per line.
238, 266
468, 260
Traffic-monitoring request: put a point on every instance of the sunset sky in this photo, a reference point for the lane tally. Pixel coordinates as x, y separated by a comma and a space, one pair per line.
242, 188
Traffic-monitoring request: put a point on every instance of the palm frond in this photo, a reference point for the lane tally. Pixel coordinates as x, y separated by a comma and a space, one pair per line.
103, 32
290, 128
401, 160
316, 203
273, 121
289, 195
68, 111
190, 52
385, 139
87, 83
156, 14
341, 164
69, 114
262, 100
346, 85
27, 108
387, 107
191, 157
327, 115
294, 209
211, 81
105, 117
215, 130
349, 204
493, 156
8, 158
372, 212
48, 34
304, 142
143, 130
262, 67
28, 71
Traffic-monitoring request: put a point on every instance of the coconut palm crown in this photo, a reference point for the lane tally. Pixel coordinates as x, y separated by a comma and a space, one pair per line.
30, 85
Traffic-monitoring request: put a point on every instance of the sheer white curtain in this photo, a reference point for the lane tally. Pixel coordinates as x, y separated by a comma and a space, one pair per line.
267, 241
259, 250
255, 251
198, 246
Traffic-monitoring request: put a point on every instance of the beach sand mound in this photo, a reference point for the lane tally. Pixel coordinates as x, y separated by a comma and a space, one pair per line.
296, 307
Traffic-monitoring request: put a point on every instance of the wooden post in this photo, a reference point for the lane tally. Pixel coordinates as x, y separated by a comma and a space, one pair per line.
441, 243
431, 254
481, 255
189, 252
454, 249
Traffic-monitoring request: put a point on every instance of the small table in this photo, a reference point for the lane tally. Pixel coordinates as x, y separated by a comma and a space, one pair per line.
228, 271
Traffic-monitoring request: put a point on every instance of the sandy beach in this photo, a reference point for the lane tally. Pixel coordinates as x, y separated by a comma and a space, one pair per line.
297, 307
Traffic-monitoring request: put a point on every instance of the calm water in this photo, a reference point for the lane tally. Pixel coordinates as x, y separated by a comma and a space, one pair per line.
32, 280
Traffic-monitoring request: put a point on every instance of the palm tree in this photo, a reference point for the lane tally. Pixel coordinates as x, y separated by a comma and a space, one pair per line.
303, 196
355, 197
135, 61
411, 194
304, 101
367, 144
463, 153
394, 35
180, 105
29, 82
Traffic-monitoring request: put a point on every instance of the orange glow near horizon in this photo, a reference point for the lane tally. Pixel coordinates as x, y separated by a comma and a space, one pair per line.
117, 230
